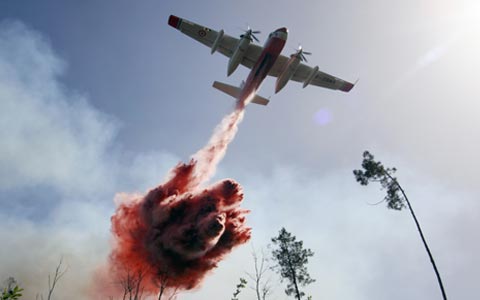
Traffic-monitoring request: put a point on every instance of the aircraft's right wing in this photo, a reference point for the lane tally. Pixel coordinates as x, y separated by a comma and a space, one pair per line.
321, 79
227, 44
303, 71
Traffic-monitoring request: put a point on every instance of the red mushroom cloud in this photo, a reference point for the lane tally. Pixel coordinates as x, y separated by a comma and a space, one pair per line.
180, 230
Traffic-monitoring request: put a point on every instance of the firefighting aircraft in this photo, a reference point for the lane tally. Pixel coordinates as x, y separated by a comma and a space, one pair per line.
262, 61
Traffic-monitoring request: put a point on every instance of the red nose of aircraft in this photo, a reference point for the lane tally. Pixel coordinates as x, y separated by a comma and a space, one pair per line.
283, 29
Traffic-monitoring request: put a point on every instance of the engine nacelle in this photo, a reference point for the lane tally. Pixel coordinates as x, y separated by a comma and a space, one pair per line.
217, 41
310, 77
238, 55
287, 72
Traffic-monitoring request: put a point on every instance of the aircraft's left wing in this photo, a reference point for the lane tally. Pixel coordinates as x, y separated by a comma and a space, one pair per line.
303, 72
207, 36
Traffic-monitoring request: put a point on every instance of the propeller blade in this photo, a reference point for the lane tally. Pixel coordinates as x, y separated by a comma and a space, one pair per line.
250, 34
301, 54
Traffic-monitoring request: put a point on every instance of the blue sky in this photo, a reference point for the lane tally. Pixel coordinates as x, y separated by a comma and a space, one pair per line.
98, 98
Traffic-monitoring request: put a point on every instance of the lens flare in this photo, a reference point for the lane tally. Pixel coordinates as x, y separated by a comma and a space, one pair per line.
323, 117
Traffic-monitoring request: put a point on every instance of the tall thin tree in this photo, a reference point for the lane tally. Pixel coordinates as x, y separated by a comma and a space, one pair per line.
53, 281
132, 284
261, 286
396, 198
165, 291
292, 259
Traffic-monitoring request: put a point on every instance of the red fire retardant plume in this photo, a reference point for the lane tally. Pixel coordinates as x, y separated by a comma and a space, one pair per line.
180, 230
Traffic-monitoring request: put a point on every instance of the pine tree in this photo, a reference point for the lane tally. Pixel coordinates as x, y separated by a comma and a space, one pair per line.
396, 198
12, 291
292, 259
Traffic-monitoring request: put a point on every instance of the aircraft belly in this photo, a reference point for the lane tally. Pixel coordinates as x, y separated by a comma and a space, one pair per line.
270, 55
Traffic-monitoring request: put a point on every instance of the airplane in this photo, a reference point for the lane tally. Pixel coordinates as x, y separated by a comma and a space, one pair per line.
262, 61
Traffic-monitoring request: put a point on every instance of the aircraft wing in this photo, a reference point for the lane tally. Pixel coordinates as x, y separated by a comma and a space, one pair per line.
303, 71
207, 36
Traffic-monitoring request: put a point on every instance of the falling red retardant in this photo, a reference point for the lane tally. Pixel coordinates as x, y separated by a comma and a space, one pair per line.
180, 230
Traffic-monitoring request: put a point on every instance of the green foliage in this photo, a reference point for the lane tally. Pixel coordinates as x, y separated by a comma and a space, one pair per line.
374, 171
12, 294
292, 259
396, 198
241, 285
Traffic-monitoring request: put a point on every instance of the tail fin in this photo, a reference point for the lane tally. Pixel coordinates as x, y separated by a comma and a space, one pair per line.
235, 92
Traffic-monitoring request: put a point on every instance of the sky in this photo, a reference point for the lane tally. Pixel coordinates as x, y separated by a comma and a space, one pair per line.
103, 97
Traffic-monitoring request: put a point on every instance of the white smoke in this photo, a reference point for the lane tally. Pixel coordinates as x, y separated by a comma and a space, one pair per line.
53, 140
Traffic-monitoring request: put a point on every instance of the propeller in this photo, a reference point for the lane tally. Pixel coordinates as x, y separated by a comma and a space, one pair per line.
301, 54
250, 34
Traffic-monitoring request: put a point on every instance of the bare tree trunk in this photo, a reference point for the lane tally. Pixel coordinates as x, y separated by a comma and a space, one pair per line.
163, 282
138, 285
419, 229
162, 289
294, 276
52, 283
261, 290
174, 294
131, 282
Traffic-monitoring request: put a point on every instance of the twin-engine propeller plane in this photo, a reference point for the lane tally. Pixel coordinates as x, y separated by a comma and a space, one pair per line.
262, 61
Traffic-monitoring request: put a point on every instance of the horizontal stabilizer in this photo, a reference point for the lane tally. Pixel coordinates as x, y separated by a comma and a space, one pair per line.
260, 100
227, 89
235, 92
